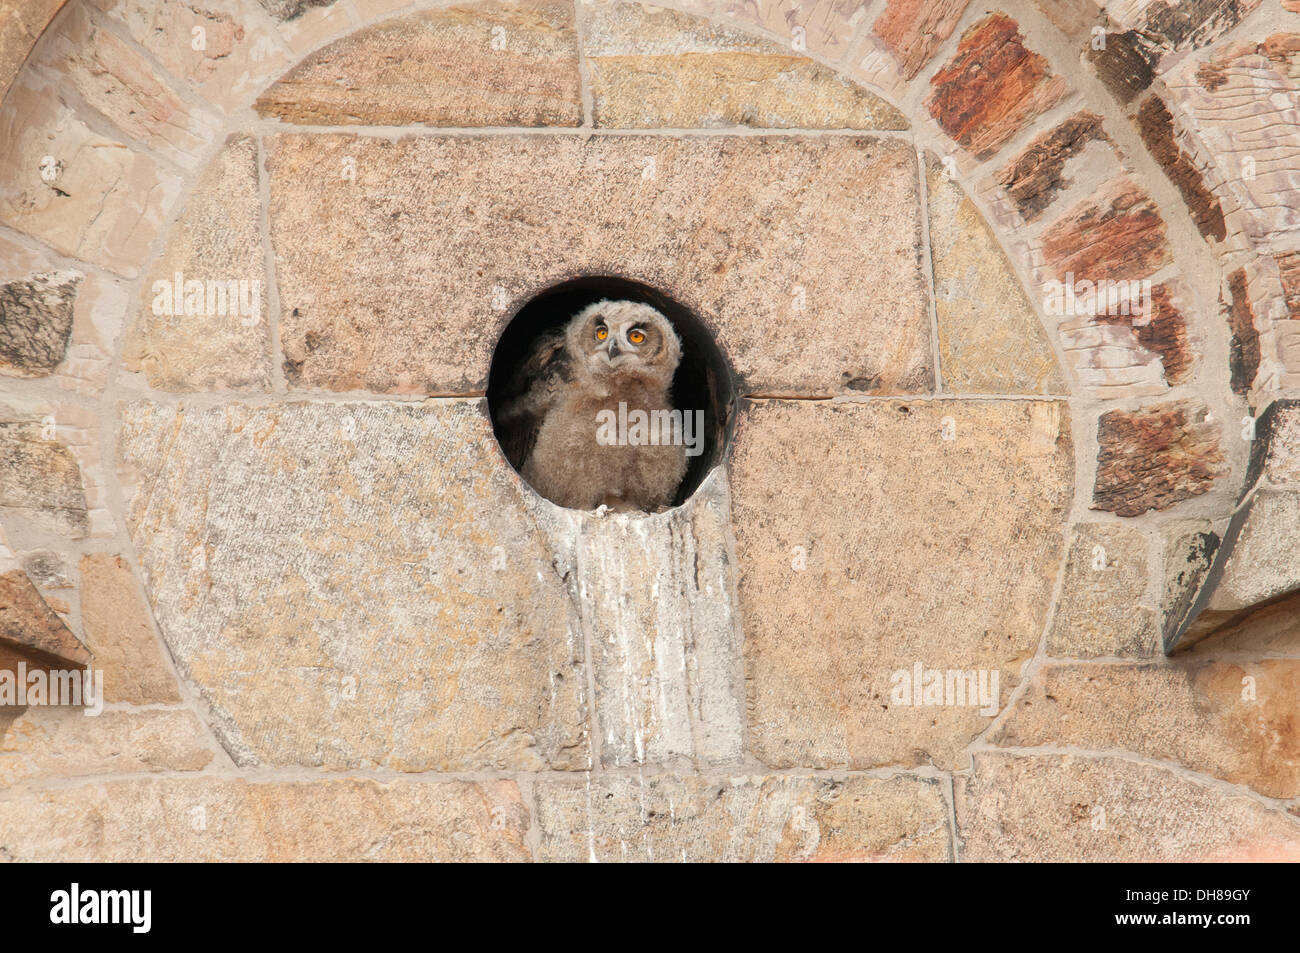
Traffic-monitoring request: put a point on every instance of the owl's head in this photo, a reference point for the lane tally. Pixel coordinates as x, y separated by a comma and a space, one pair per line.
617, 339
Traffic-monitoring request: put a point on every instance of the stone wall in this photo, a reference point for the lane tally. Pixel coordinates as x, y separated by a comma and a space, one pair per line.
922, 609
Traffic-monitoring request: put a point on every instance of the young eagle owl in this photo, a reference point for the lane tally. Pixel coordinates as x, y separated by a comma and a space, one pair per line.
610, 353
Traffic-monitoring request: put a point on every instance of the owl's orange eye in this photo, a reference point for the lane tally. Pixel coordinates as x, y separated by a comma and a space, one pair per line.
636, 336
602, 332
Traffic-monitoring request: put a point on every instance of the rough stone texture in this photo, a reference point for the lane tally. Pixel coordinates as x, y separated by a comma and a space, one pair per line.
822, 26
1243, 348
1157, 127
745, 819
656, 602
1275, 454
326, 574
45, 743
978, 541
47, 569
21, 24
216, 241
116, 625
653, 67
28, 623
913, 30
1118, 235
1152, 458
442, 68
41, 479
41, 296
1189, 550
120, 84
764, 237
239, 51
1125, 63
1184, 24
1234, 721
1262, 564
1046, 808
1164, 333
105, 202
36, 322
1101, 608
1035, 176
992, 88
990, 339
212, 819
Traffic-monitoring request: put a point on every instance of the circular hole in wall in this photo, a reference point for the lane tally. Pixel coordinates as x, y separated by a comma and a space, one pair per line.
702, 389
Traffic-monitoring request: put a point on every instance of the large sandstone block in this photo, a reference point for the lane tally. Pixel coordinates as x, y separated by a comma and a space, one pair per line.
217, 819
478, 64
751, 819
775, 241
355, 585
1225, 719
48, 743
990, 337
1075, 808
1103, 607
655, 596
653, 67
870, 544
116, 623
203, 319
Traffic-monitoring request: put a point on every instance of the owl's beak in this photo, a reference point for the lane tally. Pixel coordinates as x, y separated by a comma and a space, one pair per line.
613, 349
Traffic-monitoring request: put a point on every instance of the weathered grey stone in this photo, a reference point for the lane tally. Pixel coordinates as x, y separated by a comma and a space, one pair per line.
47, 743
1074, 808
752, 819
215, 819
990, 339
773, 240
84, 194
35, 322
41, 479
203, 316
47, 569
1189, 551
115, 621
655, 598
496, 63
1261, 555
57, 322
1229, 720
868, 545
1102, 609
653, 67
355, 585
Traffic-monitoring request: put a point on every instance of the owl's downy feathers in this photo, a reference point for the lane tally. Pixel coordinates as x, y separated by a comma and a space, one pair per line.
610, 352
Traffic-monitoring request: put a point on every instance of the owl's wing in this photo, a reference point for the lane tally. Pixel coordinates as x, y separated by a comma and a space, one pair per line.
536, 386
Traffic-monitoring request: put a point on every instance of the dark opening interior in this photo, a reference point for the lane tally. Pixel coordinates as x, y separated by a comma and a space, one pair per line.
703, 378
